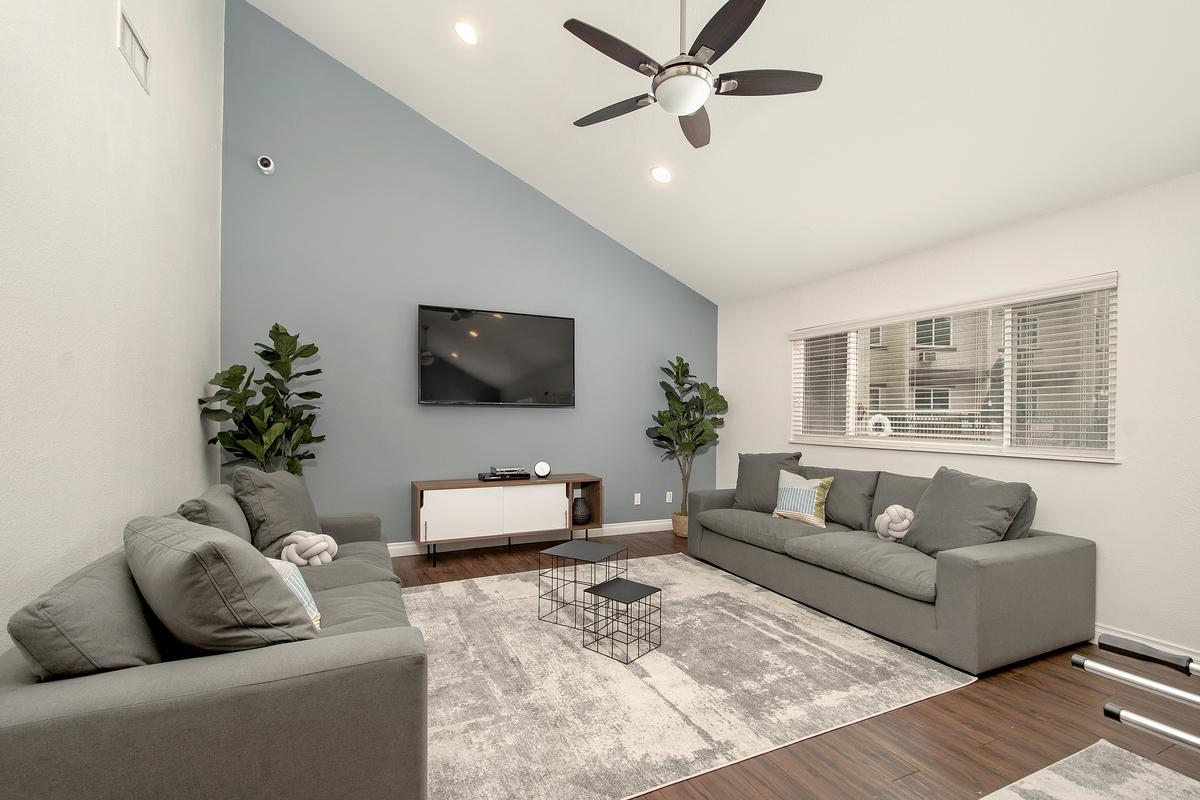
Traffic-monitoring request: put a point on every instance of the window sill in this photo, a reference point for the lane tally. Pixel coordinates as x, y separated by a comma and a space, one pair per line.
883, 443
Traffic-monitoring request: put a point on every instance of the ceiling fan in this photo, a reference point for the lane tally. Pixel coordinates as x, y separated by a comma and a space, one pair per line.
683, 85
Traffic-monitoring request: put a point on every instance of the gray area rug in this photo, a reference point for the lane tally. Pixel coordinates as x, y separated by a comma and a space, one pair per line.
1101, 772
518, 709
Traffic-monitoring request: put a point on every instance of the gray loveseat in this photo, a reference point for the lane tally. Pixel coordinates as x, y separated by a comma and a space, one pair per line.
976, 608
340, 715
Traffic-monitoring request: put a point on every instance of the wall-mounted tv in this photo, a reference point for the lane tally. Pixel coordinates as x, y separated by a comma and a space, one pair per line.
469, 356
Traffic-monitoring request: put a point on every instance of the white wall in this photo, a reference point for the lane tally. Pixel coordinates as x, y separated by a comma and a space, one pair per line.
109, 275
1143, 513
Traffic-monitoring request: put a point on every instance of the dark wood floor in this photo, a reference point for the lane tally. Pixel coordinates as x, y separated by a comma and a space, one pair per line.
962, 744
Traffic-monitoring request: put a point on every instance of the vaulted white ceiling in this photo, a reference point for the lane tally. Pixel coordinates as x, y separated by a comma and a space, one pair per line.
937, 119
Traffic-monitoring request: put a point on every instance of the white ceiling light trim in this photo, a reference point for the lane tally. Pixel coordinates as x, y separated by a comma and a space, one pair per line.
466, 31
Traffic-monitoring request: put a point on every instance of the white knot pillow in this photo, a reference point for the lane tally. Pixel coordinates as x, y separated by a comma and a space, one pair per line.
893, 523
306, 548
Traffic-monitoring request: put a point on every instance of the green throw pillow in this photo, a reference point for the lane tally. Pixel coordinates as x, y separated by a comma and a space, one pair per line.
802, 499
295, 581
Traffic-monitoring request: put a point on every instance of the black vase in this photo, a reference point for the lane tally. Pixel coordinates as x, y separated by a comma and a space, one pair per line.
580, 513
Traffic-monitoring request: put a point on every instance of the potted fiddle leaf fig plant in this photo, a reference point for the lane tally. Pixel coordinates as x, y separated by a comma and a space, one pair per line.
275, 431
686, 427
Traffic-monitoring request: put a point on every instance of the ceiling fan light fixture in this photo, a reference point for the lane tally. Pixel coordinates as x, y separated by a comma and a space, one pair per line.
466, 31
683, 89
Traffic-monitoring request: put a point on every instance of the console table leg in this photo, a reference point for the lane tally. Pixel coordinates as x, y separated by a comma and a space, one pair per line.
431, 553
510, 544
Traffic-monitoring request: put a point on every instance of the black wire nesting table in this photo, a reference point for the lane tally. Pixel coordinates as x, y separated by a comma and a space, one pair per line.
565, 570
623, 620
582, 585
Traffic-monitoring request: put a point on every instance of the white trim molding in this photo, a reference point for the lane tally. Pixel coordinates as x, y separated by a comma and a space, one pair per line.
1148, 640
396, 549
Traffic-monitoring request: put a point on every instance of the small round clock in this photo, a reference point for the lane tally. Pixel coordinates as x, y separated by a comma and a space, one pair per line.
541, 469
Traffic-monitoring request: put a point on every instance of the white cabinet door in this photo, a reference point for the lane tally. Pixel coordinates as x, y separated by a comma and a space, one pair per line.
535, 508
462, 513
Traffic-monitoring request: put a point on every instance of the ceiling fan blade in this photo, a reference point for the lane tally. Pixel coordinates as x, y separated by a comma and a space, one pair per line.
724, 29
696, 128
615, 110
614, 48
767, 81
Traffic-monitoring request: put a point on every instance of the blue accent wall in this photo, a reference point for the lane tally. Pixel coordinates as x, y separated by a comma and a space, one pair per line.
372, 210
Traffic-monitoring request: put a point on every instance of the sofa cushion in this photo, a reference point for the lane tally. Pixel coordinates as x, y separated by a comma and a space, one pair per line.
960, 510
91, 621
356, 562
217, 508
758, 479
849, 500
212, 590
863, 555
362, 607
761, 530
275, 504
898, 490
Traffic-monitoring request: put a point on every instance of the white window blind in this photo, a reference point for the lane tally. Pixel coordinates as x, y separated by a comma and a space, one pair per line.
1031, 375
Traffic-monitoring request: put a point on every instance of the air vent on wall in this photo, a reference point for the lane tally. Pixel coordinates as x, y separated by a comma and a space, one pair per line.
135, 52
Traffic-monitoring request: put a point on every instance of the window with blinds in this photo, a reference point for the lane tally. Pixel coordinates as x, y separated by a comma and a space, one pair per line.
1033, 375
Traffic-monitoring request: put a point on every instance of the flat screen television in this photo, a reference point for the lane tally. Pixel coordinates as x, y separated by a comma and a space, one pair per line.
469, 356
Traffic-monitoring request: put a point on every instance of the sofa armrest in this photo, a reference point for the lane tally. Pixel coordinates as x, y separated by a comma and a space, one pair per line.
339, 716
353, 527
704, 501
1002, 602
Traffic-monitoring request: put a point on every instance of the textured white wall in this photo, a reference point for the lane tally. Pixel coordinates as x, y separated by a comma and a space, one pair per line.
1141, 513
109, 275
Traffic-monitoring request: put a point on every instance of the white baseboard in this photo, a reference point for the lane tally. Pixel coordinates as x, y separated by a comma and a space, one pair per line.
1161, 644
610, 529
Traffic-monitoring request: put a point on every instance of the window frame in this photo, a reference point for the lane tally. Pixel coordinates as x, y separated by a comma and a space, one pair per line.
1006, 447
949, 391
933, 343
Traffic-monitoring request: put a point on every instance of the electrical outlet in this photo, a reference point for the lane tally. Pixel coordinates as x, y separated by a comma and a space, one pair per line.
637, 498
670, 497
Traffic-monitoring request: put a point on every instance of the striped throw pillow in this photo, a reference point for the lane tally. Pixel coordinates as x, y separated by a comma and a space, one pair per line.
802, 499
295, 581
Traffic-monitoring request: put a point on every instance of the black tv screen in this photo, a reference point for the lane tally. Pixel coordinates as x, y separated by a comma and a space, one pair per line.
470, 356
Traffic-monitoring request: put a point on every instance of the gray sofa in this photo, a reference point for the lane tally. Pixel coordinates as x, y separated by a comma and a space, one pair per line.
976, 608
340, 715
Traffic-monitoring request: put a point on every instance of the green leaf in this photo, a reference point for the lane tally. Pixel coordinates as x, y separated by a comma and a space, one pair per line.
272, 433
216, 414
309, 395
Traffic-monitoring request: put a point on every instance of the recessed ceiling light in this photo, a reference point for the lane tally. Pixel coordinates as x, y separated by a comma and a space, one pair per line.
473, 333
498, 316
466, 32
454, 355
661, 174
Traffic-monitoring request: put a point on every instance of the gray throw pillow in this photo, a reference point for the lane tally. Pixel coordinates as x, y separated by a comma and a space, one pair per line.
849, 500
275, 504
961, 510
758, 479
210, 589
217, 508
92, 621
897, 490
1023, 522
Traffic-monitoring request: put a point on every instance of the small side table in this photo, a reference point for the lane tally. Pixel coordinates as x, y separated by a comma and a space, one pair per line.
566, 568
623, 620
